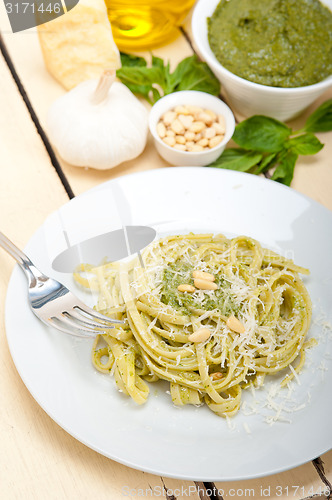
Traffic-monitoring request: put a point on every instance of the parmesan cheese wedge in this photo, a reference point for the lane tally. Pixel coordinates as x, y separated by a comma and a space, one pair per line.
79, 45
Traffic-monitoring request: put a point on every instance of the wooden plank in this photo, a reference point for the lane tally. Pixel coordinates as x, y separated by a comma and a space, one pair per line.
313, 174
38, 459
298, 483
327, 465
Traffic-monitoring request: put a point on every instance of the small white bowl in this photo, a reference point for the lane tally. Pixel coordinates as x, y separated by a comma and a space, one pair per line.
246, 97
195, 98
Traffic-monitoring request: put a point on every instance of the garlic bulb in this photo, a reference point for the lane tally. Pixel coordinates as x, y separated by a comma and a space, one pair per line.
98, 124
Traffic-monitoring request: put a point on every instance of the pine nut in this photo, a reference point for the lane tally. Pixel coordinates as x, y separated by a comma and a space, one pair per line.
195, 148
198, 137
217, 376
170, 141
180, 147
186, 288
182, 110
212, 114
197, 127
203, 142
161, 130
200, 335
190, 136
234, 324
186, 120
222, 122
210, 132
177, 126
170, 133
220, 130
205, 117
205, 284
203, 275
215, 141
180, 139
168, 117
194, 109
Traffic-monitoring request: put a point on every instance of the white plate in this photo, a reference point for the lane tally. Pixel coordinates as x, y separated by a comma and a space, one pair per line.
189, 442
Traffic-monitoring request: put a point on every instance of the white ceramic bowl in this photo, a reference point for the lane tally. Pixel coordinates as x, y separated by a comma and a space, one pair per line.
246, 97
190, 97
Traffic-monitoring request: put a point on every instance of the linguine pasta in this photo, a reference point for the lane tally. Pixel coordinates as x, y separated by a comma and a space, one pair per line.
253, 287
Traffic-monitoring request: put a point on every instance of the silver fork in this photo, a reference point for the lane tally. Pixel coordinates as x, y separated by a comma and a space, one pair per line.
54, 304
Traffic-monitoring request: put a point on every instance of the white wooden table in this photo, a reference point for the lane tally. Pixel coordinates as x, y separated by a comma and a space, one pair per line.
38, 459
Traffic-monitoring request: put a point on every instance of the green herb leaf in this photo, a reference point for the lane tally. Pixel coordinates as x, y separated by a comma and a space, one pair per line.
321, 119
140, 80
261, 133
130, 60
142, 75
285, 169
237, 159
174, 79
157, 62
305, 144
192, 74
155, 94
267, 162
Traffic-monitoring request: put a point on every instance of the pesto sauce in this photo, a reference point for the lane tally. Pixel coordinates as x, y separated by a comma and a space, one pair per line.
281, 43
181, 273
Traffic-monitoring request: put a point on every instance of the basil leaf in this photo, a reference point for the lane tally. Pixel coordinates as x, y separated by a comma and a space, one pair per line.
305, 144
141, 79
321, 119
155, 94
169, 83
267, 162
157, 62
261, 133
237, 159
285, 169
142, 90
192, 74
142, 75
174, 79
130, 60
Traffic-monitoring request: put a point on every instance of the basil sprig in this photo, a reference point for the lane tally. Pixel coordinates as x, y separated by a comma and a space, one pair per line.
155, 81
266, 143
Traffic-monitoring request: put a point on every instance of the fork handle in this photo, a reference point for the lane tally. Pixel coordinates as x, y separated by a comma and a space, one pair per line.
31, 272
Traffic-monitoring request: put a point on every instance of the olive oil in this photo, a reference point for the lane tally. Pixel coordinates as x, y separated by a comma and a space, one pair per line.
146, 24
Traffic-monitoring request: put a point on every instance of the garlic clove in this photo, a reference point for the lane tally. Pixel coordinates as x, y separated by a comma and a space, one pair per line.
100, 134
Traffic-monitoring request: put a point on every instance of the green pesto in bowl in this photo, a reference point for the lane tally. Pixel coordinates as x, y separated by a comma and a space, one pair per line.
280, 43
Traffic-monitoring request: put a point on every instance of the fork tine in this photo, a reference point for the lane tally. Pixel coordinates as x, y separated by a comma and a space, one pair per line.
87, 311
85, 321
72, 322
76, 331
